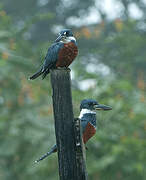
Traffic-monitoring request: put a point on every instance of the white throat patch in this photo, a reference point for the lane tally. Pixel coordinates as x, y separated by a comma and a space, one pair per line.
85, 111
68, 39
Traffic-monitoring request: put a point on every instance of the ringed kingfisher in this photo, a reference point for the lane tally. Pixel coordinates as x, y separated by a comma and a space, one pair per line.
60, 54
88, 121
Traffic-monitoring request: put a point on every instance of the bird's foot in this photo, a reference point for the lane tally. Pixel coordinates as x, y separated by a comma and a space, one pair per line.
86, 148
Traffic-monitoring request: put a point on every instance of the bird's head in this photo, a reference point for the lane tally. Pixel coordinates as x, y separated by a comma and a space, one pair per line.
65, 36
92, 104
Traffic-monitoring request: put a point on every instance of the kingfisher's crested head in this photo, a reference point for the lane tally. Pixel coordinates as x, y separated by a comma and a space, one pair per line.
66, 32
92, 104
65, 36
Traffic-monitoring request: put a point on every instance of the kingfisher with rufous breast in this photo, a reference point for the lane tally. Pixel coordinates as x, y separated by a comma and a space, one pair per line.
60, 54
87, 117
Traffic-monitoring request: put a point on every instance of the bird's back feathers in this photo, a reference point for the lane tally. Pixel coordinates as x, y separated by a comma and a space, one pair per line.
50, 60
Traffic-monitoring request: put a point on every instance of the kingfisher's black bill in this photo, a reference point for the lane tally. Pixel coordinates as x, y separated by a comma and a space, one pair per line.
102, 107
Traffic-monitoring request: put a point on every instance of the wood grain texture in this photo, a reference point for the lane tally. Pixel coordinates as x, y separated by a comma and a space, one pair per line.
71, 166
80, 151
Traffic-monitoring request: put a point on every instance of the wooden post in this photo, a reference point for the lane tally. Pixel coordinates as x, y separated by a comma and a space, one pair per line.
70, 154
80, 151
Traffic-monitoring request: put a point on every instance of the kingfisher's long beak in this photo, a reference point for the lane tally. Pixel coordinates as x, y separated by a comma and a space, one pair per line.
102, 107
59, 38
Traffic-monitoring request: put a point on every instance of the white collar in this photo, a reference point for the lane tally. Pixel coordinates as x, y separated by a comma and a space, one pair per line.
68, 39
85, 111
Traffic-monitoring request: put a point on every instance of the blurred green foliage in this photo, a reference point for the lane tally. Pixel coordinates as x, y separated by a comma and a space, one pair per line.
111, 54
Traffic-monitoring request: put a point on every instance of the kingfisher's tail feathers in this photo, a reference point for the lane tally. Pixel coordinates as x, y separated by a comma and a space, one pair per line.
37, 74
53, 150
45, 73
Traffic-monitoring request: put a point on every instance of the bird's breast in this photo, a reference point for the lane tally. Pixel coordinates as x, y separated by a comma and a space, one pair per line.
67, 54
90, 130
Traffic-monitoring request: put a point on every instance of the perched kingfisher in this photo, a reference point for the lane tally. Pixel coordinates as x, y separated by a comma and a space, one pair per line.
60, 54
88, 121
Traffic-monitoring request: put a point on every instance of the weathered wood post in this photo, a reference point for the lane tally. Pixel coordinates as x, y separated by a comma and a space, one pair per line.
68, 137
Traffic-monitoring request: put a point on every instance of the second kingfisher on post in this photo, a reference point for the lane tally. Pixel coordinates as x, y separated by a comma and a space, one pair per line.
60, 54
88, 122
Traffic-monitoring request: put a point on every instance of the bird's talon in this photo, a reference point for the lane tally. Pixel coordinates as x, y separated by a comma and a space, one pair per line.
68, 69
86, 148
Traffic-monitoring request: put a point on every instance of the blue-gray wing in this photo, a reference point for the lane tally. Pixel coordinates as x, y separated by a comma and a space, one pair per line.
52, 56
86, 119
50, 60
84, 123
